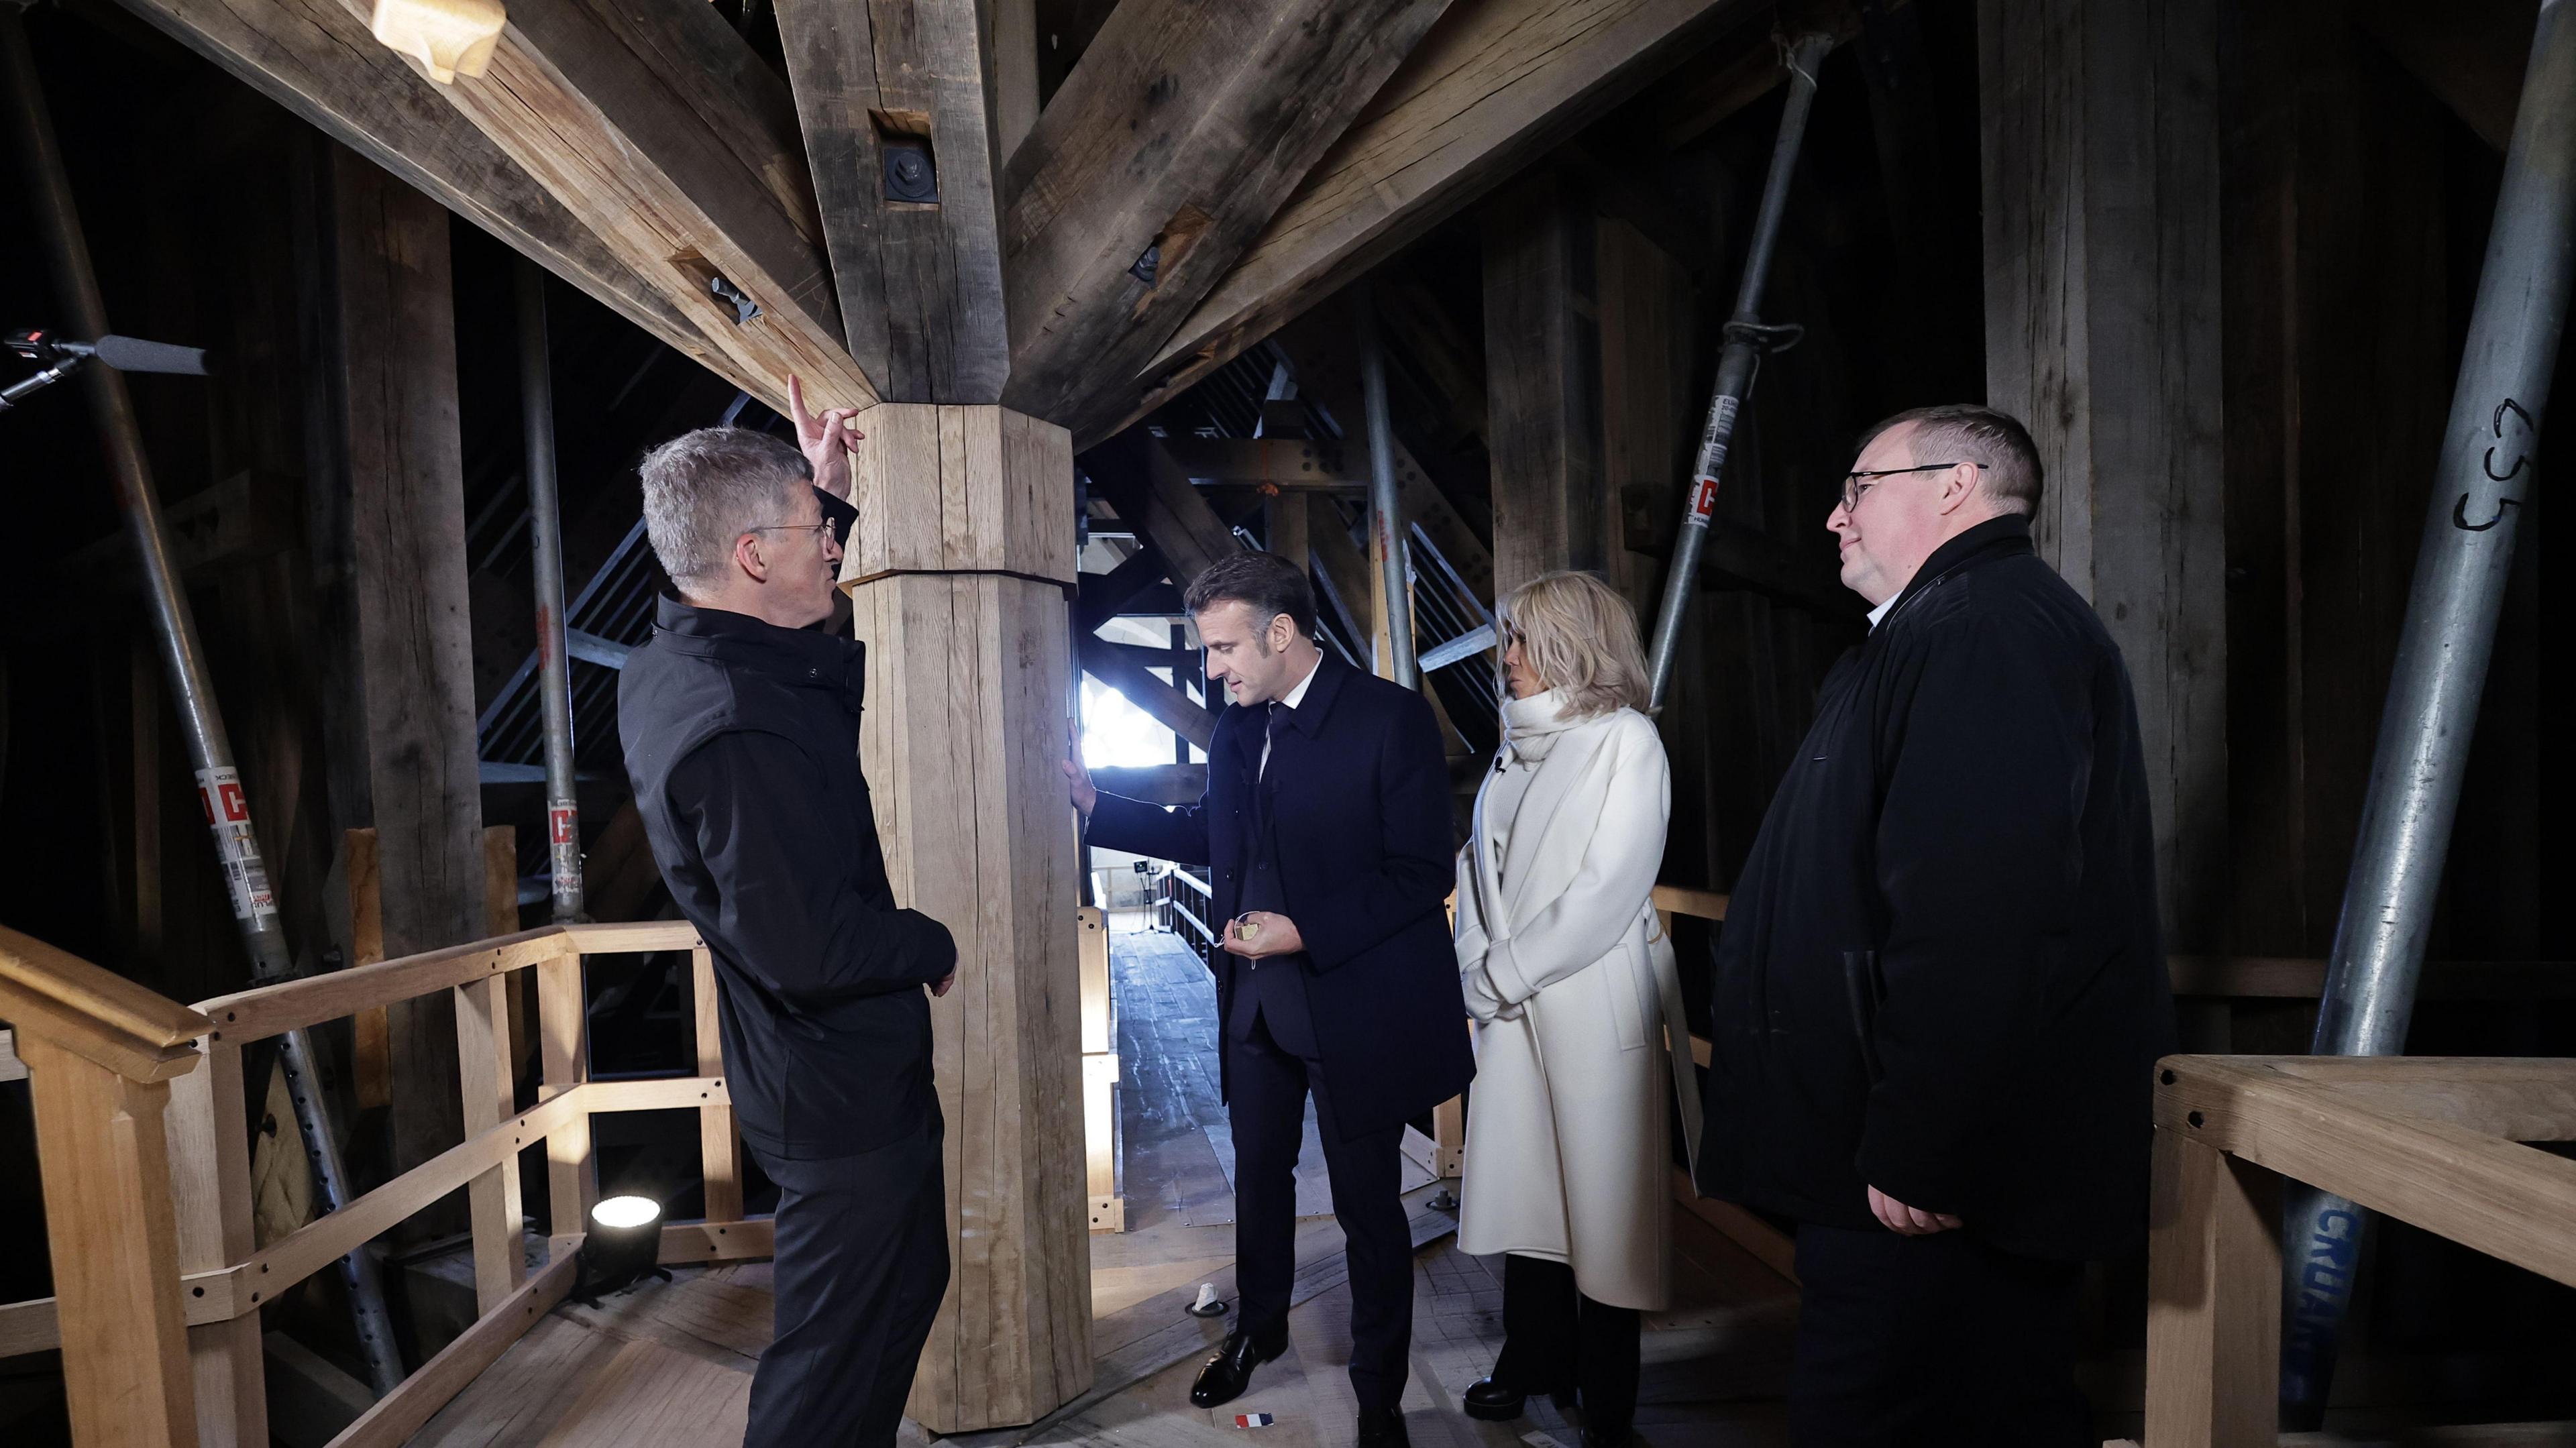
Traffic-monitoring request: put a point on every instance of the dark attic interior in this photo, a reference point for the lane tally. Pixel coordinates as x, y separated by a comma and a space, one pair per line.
339, 982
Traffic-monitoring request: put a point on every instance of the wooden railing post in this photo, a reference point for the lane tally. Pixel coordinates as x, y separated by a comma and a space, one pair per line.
488, 1078
2213, 1299
1100, 1075
210, 1186
563, 1013
100, 1053
115, 1249
719, 1145
490, 1096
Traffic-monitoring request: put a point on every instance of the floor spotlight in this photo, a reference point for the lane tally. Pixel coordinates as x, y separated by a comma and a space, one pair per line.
625, 1239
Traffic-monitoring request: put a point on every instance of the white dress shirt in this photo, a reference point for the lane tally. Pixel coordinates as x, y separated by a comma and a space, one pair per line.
1292, 699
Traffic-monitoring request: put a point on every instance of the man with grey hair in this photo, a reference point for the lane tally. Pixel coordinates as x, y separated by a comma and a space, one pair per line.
1940, 993
741, 725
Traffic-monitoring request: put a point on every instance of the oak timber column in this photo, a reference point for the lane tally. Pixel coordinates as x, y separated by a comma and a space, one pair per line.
958, 573
385, 511
961, 601
2100, 142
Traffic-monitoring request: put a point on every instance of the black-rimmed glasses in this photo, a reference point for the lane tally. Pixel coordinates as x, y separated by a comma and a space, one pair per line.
1853, 487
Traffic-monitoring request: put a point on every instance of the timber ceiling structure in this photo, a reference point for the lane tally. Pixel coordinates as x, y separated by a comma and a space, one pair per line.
884, 208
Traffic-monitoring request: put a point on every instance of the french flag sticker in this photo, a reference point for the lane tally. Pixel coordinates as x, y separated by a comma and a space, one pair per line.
1253, 1420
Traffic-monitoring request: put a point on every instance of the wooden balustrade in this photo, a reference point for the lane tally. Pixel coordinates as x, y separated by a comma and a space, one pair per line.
2426, 1139
159, 1282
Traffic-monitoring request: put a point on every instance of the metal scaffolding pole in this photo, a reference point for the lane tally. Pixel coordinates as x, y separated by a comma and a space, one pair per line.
2432, 711
1387, 548
210, 752
545, 530
1746, 340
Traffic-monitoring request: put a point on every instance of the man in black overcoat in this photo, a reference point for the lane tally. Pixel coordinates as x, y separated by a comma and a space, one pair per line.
741, 725
1940, 991
1326, 830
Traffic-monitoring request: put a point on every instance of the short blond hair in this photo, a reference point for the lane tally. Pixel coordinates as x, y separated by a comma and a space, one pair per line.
1580, 637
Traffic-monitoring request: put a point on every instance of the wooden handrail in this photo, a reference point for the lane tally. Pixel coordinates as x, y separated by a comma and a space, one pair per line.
101, 995
101, 1051
272, 1010
632, 936
2429, 1140
56, 996
1684, 900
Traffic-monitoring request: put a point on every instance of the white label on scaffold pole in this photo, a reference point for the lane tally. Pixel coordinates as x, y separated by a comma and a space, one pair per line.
1712, 461
228, 815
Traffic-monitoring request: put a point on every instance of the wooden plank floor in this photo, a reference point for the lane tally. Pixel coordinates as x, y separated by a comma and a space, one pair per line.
671, 1363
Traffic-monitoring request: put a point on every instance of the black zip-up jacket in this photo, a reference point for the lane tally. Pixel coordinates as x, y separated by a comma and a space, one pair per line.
1940, 972
742, 742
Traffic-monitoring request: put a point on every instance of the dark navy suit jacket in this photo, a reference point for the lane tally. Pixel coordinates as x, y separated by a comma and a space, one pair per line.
1359, 795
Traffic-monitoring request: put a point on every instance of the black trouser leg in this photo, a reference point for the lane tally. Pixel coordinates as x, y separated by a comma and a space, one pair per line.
1555, 1338
1368, 1200
1927, 1342
1539, 1316
1605, 1366
1266, 1103
861, 1261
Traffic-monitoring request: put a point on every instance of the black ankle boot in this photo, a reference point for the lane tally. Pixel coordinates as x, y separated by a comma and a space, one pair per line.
1493, 1400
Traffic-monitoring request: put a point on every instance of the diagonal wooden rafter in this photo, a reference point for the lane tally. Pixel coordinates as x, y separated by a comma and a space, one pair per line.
920, 282
1493, 85
636, 147
317, 60
1175, 710
654, 123
1181, 130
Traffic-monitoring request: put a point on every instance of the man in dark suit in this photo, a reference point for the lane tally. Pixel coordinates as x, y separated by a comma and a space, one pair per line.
1940, 994
1326, 830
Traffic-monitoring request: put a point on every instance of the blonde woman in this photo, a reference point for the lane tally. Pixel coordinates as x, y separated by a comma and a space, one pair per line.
1570, 982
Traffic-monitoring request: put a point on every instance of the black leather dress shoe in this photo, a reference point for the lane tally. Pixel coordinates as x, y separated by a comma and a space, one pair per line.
1382, 1428
1493, 1400
1229, 1372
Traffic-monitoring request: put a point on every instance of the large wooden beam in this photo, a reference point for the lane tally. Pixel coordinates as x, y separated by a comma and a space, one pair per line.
1493, 85
659, 128
2102, 334
970, 679
915, 253
1155, 496
1176, 137
1169, 707
316, 59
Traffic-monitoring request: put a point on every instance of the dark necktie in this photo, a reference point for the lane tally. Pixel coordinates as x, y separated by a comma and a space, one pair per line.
1270, 734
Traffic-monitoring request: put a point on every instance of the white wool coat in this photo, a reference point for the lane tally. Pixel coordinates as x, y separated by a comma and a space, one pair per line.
1568, 974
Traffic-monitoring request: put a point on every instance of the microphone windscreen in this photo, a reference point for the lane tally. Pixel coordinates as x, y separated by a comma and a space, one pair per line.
129, 354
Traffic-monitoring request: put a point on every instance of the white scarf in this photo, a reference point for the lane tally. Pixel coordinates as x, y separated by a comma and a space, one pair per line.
1530, 725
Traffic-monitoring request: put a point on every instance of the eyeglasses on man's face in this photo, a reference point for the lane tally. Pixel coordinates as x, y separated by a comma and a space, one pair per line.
1853, 487
824, 530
